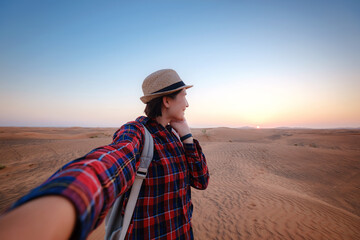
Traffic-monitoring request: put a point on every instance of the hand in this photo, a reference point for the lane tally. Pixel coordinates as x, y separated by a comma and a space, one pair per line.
27, 221
181, 127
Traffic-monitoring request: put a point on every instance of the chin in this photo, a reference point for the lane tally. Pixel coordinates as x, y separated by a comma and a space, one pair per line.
182, 118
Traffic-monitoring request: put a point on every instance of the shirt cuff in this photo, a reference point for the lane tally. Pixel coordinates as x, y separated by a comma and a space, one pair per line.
192, 149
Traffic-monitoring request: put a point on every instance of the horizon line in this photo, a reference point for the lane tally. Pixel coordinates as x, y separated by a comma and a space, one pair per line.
211, 127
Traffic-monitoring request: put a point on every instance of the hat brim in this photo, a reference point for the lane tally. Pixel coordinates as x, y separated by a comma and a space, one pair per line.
147, 98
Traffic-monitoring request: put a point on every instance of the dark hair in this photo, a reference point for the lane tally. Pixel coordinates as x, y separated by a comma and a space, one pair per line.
153, 108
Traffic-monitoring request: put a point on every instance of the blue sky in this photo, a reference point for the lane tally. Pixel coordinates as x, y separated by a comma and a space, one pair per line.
266, 63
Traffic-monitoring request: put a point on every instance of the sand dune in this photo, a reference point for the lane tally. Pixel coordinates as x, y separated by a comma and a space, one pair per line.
265, 184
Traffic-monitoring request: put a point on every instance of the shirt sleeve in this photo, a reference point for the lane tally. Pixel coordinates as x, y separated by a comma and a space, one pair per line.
93, 181
199, 173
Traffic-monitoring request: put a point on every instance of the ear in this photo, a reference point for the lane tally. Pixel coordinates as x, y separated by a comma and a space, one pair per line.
166, 101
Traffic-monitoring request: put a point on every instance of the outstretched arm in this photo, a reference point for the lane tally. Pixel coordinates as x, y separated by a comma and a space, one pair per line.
87, 187
49, 217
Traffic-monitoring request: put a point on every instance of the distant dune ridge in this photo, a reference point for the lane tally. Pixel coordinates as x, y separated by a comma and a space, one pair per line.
265, 183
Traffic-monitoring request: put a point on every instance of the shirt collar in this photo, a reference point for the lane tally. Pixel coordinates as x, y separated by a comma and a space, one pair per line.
153, 124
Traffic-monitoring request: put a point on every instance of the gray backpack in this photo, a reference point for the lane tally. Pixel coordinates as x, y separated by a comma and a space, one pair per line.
116, 224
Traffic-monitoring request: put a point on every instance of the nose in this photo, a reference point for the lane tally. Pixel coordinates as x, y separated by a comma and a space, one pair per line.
187, 104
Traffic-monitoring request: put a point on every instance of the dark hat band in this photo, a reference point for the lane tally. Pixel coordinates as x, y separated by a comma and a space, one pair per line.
171, 87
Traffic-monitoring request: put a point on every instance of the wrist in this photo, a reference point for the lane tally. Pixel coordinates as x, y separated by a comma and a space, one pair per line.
189, 140
183, 132
186, 137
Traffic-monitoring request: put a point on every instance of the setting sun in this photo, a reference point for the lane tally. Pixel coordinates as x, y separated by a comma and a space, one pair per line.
257, 127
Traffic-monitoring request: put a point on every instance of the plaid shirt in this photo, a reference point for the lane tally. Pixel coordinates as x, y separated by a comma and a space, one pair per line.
164, 207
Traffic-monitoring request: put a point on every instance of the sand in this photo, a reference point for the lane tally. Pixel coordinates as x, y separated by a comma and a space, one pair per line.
265, 183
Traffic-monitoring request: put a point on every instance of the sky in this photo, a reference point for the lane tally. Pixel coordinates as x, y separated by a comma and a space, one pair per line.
252, 63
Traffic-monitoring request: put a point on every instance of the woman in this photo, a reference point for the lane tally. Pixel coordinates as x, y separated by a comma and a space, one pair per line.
75, 200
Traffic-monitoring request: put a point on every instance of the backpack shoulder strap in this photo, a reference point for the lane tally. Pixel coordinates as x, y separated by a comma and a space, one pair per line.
145, 160
146, 154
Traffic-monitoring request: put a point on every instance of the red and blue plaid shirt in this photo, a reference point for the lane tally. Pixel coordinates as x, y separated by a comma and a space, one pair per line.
164, 207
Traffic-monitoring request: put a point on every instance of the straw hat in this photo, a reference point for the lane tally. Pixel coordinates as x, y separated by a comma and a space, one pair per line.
161, 83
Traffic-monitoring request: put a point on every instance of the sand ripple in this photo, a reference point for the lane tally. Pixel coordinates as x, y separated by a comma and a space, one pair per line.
265, 184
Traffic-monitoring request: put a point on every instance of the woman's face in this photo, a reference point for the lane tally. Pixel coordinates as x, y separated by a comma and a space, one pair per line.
177, 106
